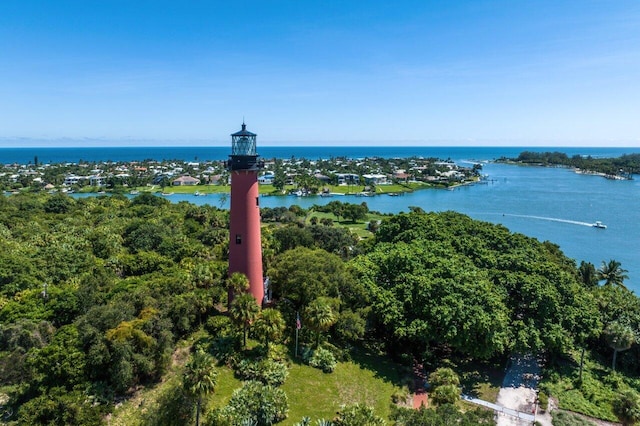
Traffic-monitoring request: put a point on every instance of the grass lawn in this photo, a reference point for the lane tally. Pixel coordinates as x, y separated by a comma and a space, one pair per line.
270, 190
225, 386
359, 228
368, 379
187, 189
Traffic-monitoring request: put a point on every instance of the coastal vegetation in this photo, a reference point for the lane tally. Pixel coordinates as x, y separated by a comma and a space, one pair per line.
114, 310
623, 167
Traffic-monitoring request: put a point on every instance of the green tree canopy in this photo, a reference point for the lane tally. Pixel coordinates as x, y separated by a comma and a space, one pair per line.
303, 275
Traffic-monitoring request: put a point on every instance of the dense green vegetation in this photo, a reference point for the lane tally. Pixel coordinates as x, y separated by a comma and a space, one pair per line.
96, 293
626, 165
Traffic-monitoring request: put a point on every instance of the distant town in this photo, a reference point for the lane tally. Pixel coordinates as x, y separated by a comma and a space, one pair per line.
278, 176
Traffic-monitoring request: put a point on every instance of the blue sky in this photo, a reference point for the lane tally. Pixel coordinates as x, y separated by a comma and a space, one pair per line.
553, 73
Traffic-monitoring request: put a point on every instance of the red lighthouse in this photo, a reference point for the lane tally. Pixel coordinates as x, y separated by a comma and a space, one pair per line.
245, 246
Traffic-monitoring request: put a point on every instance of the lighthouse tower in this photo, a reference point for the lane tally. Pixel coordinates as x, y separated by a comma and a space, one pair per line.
245, 247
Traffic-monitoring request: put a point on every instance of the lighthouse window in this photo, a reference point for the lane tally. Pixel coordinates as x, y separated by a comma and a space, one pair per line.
238, 239
257, 201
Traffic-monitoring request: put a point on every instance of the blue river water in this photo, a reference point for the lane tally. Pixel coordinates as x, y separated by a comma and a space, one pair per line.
553, 204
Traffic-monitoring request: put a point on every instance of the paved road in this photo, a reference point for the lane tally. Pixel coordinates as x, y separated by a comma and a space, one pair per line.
499, 409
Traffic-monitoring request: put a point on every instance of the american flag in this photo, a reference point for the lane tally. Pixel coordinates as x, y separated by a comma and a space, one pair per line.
298, 323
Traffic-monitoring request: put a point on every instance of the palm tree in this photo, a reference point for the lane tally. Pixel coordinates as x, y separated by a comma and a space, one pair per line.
271, 325
320, 317
620, 338
444, 376
236, 283
199, 378
612, 273
244, 311
445, 383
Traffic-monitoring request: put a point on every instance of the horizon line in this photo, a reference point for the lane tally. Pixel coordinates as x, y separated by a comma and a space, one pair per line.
6, 143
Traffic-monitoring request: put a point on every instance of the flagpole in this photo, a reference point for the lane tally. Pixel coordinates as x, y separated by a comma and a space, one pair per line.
297, 329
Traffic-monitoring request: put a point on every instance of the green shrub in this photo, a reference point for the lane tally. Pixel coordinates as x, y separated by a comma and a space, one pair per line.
358, 415
266, 371
400, 396
340, 354
218, 326
224, 349
445, 394
278, 352
323, 359
255, 403
614, 379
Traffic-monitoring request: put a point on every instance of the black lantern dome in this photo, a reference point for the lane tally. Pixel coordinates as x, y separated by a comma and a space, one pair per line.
243, 151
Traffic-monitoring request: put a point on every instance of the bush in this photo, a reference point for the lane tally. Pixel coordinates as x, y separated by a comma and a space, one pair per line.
257, 403
445, 394
266, 371
400, 396
218, 326
358, 415
323, 359
225, 348
340, 354
277, 352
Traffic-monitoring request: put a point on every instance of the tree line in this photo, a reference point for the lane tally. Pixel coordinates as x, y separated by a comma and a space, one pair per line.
625, 165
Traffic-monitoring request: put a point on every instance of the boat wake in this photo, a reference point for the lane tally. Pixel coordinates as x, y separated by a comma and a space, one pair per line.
551, 219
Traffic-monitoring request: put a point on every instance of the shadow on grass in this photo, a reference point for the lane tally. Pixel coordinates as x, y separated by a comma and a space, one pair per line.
382, 366
481, 379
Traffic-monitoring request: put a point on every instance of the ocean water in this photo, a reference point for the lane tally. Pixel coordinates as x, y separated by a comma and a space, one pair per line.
550, 204
204, 153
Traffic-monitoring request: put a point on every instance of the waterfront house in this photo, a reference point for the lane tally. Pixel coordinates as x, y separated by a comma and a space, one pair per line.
185, 180
266, 179
376, 179
348, 179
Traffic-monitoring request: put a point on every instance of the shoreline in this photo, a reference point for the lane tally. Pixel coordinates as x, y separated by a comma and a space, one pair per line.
577, 170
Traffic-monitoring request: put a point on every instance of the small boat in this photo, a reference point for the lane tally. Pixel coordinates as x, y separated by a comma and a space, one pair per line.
134, 192
600, 225
197, 193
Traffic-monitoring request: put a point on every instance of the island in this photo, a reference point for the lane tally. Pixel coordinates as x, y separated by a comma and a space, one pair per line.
620, 168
